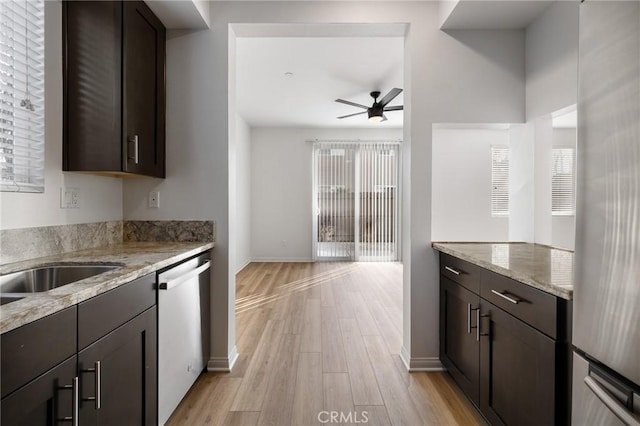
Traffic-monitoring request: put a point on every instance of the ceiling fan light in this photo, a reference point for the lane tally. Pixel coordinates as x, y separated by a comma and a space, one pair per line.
375, 114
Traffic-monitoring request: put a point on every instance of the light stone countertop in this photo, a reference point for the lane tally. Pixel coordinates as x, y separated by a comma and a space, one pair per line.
545, 268
137, 259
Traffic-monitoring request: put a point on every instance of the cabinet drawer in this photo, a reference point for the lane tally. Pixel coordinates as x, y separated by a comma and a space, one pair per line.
460, 271
106, 312
533, 306
34, 348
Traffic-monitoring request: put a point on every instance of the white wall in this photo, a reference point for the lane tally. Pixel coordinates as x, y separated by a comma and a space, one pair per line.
542, 176
243, 194
461, 200
100, 197
521, 183
470, 76
281, 188
552, 59
551, 84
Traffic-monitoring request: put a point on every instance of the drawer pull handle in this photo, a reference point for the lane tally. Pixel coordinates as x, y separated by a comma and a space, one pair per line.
74, 401
98, 372
511, 299
453, 271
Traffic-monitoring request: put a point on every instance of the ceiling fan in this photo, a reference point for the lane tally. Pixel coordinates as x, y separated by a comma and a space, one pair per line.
377, 110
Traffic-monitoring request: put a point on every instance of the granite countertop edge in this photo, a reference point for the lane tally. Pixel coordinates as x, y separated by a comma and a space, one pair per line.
135, 260
560, 291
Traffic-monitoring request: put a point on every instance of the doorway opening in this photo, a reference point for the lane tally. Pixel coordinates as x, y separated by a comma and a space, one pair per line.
356, 201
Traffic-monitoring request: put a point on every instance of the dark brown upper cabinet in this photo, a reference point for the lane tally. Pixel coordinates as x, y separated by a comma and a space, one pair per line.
114, 88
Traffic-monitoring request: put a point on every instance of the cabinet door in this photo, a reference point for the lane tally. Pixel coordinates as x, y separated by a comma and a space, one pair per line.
43, 401
517, 382
92, 85
144, 83
124, 385
459, 345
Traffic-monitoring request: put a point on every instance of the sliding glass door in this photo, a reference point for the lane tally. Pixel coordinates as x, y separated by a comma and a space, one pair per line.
356, 201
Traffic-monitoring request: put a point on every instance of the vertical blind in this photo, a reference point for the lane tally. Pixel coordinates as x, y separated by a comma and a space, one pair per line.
499, 180
563, 181
356, 201
22, 95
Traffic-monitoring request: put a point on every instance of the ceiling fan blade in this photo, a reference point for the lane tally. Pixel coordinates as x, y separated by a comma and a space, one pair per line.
395, 108
342, 101
384, 118
389, 96
351, 115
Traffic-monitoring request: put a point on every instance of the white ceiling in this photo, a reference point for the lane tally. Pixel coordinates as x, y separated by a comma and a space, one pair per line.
324, 69
494, 15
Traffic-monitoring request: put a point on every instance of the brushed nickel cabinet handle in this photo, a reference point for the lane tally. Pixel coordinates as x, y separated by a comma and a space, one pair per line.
136, 149
478, 318
469, 325
453, 271
74, 402
503, 294
97, 370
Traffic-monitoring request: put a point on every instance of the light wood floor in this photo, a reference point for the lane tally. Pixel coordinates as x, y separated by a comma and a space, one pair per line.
317, 338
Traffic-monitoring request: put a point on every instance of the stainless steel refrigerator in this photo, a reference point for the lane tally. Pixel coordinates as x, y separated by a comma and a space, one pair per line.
606, 317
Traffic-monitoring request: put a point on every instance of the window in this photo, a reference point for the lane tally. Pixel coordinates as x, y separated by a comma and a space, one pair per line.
499, 180
563, 181
22, 95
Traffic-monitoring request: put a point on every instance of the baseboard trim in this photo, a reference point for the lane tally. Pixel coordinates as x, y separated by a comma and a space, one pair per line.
425, 364
420, 363
244, 265
405, 357
282, 259
223, 363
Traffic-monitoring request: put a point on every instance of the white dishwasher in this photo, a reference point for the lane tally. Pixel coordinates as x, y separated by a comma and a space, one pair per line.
183, 330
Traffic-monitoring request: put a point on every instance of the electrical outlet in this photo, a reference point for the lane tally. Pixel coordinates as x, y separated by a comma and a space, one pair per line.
69, 198
154, 199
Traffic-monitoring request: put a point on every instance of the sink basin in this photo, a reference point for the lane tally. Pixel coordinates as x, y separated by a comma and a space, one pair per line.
4, 299
47, 278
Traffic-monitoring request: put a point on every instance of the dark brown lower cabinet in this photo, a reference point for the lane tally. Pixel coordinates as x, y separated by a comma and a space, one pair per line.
506, 345
460, 343
44, 401
517, 374
103, 349
118, 375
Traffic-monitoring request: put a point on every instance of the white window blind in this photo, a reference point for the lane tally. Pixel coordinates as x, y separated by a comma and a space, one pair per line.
563, 181
22, 95
356, 200
499, 180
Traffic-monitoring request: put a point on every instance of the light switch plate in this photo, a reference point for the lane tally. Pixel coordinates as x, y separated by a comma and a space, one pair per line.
69, 198
154, 199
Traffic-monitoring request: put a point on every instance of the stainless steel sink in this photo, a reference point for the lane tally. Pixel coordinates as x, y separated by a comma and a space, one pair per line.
4, 299
47, 278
